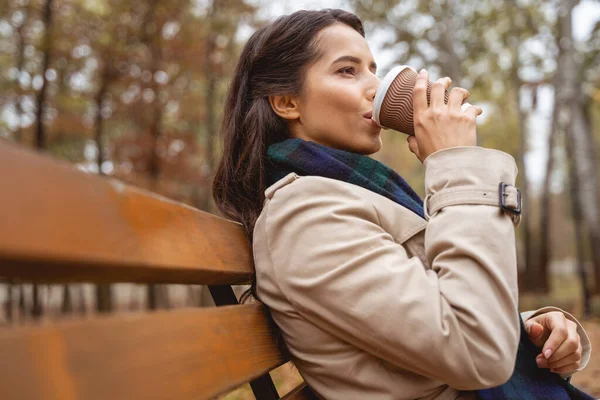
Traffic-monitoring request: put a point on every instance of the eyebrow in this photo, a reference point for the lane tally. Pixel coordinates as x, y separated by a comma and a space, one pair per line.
355, 60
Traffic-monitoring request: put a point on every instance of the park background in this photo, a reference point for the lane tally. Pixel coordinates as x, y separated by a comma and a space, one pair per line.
134, 91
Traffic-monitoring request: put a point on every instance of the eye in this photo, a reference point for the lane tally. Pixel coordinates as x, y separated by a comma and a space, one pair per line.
347, 70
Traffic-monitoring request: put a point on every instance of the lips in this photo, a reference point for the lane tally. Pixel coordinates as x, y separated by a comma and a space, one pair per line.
368, 114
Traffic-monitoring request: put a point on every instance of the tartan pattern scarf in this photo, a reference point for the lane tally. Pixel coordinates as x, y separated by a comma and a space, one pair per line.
528, 382
310, 158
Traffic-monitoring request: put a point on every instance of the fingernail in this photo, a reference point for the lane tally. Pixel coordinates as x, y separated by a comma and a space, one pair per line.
422, 72
548, 353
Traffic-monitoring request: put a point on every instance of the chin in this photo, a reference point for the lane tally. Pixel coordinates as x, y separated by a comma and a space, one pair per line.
369, 146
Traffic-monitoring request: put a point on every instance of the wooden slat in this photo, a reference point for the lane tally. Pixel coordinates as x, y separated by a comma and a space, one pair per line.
302, 392
60, 224
184, 354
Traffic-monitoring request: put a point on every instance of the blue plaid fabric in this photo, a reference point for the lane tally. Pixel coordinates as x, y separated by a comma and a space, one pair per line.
528, 382
309, 158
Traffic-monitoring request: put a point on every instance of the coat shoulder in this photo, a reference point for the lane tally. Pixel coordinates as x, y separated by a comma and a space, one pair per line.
293, 184
293, 194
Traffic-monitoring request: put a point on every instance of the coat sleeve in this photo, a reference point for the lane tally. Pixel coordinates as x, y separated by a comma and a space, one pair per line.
457, 323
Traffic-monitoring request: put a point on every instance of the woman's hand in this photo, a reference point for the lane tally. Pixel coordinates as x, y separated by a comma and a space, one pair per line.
558, 338
438, 125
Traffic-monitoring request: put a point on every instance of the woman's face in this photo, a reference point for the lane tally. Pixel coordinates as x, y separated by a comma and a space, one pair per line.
335, 106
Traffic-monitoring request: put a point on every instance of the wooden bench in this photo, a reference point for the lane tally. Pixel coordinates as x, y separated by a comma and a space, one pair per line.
58, 224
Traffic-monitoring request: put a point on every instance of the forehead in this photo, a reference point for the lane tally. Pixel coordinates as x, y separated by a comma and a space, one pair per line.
339, 40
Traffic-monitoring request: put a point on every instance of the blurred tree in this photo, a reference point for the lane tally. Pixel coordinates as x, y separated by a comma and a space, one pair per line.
151, 36
210, 60
40, 133
589, 72
20, 21
545, 233
47, 19
104, 293
220, 32
573, 119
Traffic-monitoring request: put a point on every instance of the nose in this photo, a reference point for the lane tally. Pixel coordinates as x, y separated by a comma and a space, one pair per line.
373, 86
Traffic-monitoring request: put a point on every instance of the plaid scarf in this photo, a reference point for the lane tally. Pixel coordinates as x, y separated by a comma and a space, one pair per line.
528, 382
310, 158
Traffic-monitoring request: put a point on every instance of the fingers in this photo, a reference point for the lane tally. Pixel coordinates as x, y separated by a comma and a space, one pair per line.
457, 97
420, 92
573, 359
473, 111
557, 323
569, 345
438, 92
567, 365
436, 126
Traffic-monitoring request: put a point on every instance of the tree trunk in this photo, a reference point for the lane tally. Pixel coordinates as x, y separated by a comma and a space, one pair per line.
531, 273
36, 308
209, 103
104, 292
579, 229
67, 303
104, 299
22, 305
585, 168
40, 135
545, 255
9, 302
20, 42
595, 228
157, 295
81, 308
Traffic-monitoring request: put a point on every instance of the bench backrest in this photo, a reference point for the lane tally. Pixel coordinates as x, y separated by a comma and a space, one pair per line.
58, 224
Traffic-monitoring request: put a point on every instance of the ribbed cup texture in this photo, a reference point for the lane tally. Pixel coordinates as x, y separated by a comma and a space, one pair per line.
397, 107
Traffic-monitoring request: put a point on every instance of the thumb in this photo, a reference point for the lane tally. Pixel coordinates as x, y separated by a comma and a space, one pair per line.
413, 146
535, 331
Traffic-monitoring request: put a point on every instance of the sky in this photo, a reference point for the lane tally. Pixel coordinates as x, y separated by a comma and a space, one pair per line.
584, 17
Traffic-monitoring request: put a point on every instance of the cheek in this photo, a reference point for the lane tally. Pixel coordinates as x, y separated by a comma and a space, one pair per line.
334, 103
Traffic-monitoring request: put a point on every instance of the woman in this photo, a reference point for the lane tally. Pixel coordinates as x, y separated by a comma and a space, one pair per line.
374, 301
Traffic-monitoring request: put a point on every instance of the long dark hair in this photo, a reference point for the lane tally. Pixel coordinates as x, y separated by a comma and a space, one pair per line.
273, 62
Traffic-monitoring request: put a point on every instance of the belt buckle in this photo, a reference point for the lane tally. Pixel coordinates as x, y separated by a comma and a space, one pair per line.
503, 195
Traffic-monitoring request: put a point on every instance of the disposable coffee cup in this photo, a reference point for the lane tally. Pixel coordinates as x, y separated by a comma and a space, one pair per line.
393, 104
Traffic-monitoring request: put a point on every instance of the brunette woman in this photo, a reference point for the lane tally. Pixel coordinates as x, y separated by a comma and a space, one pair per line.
375, 297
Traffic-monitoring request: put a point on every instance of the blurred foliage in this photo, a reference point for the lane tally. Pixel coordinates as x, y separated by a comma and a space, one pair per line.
142, 57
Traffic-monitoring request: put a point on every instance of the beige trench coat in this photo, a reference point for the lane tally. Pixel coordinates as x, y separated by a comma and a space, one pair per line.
375, 302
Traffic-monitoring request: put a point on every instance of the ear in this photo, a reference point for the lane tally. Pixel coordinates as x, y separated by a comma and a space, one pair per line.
287, 107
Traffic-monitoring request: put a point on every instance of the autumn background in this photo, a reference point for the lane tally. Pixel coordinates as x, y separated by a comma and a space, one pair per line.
135, 90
